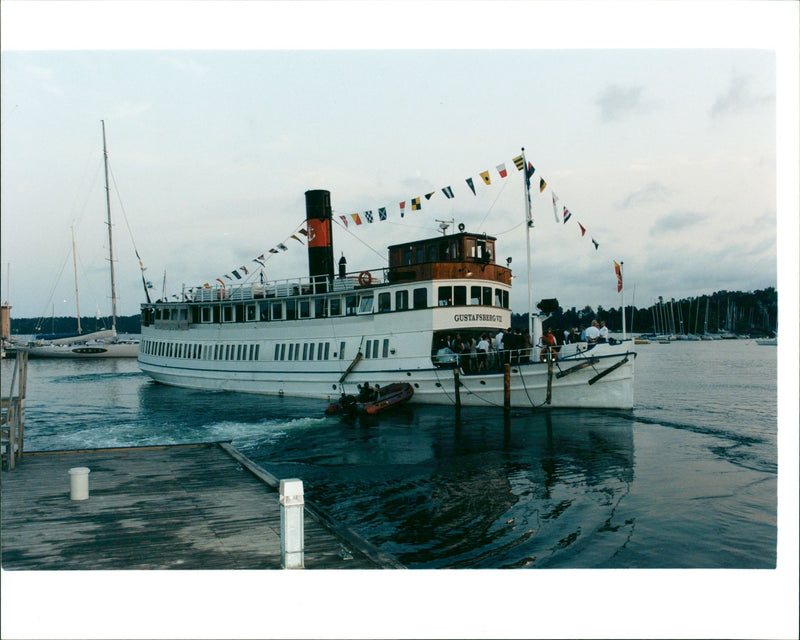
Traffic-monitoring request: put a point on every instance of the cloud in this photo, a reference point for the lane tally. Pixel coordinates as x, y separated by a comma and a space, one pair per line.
617, 101
186, 65
652, 192
677, 222
739, 97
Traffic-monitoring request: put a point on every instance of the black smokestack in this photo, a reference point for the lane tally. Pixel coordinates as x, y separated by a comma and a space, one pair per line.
320, 238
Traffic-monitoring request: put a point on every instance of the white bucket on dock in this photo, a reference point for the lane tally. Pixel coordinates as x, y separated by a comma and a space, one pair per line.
79, 483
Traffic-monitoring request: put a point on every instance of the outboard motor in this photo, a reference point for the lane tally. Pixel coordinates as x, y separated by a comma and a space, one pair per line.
320, 238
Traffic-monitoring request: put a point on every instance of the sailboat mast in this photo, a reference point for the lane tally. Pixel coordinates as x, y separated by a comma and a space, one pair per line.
75, 268
528, 227
110, 240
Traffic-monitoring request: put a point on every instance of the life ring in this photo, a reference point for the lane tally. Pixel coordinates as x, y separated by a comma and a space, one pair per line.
365, 278
543, 353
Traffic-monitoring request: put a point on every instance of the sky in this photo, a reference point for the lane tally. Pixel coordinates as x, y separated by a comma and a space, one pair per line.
666, 157
668, 130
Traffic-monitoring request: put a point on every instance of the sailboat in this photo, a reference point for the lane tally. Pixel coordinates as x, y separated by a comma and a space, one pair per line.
99, 344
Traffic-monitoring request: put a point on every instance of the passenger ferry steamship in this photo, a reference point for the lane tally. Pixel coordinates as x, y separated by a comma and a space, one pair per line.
324, 334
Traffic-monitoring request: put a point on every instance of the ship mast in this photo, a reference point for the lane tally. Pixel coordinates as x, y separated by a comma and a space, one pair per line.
110, 241
75, 269
528, 227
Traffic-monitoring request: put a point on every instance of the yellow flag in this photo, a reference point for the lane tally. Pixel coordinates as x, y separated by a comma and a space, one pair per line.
486, 178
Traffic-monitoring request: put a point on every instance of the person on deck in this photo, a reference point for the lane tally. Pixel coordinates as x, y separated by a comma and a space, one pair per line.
482, 348
592, 332
603, 332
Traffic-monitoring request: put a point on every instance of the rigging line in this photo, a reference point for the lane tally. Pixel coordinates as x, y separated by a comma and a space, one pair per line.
124, 214
494, 202
514, 228
340, 225
53, 290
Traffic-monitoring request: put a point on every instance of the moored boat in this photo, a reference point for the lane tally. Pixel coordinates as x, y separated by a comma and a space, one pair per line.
372, 401
321, 335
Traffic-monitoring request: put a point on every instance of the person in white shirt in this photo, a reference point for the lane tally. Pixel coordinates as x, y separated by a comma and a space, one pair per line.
603, 331
482, 348
592, 332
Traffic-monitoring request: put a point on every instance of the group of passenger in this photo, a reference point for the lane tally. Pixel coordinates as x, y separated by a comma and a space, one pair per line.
476, 353
592, 334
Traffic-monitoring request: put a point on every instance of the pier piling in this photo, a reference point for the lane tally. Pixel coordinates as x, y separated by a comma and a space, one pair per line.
507, 387
457, 387
292, 542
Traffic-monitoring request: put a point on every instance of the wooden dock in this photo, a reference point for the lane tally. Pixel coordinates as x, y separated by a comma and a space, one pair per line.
200, 506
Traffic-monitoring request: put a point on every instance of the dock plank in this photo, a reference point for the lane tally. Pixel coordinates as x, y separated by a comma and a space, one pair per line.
183, 507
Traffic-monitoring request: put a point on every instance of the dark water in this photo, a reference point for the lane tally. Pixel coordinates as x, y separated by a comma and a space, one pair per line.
688, 479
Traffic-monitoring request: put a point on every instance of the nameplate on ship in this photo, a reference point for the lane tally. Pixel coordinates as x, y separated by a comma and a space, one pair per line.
478, 317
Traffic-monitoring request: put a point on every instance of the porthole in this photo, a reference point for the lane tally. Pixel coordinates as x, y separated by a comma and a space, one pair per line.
483, 381
334, 387
408, 373
438, 384
416, 385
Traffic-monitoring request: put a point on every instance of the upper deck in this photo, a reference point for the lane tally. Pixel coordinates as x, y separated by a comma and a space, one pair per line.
461, 255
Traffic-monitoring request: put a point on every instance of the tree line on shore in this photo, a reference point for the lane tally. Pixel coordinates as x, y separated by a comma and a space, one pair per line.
742, 312
751, 312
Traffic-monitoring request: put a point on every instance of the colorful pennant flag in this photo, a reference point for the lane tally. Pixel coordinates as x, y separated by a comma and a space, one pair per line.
273, 250
356, 218
303, 231
519, 162
344, 220
415, 205
471, 186
283, 247
618, 271
567, 215
486, 178
298, 239
244, 269
542, 184
448, 192
501, 169
368, 216
428, 195
594, 242
382, 213
555, 208
236, 274
402, 208
583, 231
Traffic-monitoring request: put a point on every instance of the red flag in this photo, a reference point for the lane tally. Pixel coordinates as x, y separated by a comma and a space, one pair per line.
583, 231
618, 271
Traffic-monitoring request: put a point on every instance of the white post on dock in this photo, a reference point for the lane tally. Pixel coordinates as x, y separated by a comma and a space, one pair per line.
79, 483
292, 536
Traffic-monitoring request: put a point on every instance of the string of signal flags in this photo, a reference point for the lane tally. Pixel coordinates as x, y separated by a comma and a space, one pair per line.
377, 215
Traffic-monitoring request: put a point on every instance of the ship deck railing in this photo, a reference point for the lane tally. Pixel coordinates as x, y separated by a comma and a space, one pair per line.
306, 285
494, 361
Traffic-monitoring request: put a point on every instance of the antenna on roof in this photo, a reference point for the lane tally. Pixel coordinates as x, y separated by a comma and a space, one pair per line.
443, 225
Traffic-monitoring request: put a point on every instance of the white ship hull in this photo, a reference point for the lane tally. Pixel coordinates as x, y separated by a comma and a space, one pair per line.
403, 355
426, 320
